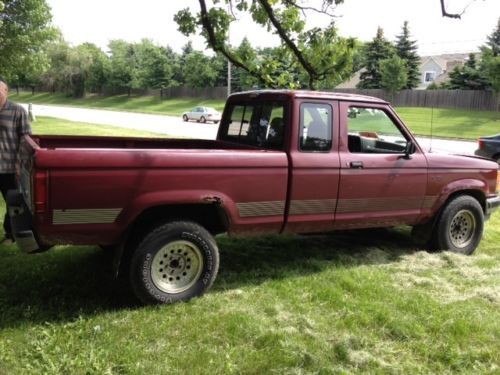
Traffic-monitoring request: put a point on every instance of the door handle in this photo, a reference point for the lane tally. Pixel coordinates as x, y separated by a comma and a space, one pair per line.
356, 164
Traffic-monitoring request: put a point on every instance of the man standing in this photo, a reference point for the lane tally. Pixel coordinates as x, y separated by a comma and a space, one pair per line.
14, 124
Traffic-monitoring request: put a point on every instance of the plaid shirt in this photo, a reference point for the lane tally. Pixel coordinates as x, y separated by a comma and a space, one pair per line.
14, 124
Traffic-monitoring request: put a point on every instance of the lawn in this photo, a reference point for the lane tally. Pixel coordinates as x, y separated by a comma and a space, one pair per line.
353, 302
447, 123
55, 126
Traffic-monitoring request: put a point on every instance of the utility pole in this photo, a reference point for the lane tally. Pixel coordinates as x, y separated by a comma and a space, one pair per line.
228, 77
229, 62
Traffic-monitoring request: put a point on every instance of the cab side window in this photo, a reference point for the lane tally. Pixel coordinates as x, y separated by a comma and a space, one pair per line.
260, 124
315, 127
372, 131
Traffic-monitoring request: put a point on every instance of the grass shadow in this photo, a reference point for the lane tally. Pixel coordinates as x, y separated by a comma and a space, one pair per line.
70, 281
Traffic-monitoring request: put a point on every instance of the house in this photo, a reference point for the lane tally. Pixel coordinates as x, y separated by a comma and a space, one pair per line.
435, 69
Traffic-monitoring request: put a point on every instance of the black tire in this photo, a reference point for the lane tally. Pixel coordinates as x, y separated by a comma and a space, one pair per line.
175, 262
216, 122
203, 119
185, 118
497, 158
460, 226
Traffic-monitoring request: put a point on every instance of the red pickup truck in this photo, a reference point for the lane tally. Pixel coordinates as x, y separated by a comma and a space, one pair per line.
283, 162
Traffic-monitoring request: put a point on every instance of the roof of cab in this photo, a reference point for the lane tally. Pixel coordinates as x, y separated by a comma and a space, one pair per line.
305, 94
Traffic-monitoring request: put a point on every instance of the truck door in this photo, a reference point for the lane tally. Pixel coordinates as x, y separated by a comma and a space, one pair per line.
379, 184
314, 167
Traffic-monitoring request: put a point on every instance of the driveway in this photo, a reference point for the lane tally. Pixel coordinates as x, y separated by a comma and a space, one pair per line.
175, 127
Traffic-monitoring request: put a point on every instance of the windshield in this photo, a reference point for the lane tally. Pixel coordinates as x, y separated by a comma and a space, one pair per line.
255, 123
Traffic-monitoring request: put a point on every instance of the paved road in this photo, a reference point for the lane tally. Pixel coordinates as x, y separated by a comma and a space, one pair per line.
175, 127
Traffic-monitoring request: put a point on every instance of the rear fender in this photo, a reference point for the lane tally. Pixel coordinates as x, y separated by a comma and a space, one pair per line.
164, 198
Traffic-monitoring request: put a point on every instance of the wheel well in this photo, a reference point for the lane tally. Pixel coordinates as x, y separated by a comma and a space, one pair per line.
477, 194
210, 216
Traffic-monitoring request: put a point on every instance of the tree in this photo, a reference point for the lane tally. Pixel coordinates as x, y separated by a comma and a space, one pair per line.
24, 31
394, 74
123, 63
377, 50
321, 54
493, 40
154, 68
490, 61
406, 49
468, 77
199, 72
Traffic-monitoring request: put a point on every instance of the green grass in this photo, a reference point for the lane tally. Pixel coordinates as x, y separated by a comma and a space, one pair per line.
143, 104
447, 123
452, 123
54, 126
353, 302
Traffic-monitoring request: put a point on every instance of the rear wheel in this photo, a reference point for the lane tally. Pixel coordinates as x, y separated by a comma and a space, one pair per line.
203, 119
460, 226
175, 262
184, 117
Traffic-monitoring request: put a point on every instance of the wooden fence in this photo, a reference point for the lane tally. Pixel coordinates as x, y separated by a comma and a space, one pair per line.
459, 99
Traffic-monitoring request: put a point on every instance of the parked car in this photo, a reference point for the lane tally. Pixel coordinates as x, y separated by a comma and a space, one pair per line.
202, 114
489, 147
283, 162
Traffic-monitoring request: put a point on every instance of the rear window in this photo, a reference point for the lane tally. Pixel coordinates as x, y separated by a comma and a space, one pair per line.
260, 124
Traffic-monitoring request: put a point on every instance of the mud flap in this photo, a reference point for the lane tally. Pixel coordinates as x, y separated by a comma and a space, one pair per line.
21, 222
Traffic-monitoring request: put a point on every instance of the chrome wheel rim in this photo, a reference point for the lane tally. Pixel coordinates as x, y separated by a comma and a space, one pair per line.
462, 228
176, 267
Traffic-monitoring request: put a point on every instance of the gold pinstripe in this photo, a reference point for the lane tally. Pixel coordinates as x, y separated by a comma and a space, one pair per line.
86, 216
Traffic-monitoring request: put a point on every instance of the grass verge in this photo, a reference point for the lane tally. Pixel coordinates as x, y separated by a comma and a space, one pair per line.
447, 123
54, 126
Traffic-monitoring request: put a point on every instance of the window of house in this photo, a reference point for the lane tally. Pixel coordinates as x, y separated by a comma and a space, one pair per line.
315, 127
372, 131
429, 76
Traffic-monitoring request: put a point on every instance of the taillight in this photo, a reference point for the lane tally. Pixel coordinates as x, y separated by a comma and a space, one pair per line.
40, 192
480, 143
498, 182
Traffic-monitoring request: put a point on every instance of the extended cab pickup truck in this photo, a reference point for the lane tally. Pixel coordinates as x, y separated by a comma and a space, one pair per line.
283, 162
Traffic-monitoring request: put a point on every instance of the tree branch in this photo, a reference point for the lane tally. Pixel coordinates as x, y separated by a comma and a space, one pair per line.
455, 15
293, 47
207, 25
324, 10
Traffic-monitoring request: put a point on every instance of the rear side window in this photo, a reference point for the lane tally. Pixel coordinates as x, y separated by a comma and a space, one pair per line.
256, 124
315, 127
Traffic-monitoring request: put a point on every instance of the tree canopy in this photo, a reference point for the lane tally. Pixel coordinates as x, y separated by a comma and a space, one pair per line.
319, 53
406, 49
24, 31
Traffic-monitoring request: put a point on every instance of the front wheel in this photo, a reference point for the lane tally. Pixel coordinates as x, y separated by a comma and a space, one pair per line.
175, 262
460, 226
203, 119
184, 117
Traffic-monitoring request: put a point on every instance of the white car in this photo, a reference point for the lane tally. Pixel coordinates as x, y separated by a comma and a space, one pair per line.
202, 114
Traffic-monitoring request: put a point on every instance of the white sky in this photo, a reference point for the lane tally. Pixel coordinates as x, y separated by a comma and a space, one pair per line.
99, 21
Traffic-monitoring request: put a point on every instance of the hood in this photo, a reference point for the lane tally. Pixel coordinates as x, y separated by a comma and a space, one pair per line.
459, 161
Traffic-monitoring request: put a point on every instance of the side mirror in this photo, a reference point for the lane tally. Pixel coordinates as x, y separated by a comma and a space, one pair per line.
409, 149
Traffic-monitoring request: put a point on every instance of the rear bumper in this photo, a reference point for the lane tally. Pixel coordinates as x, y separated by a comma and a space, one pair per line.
21, 223
492, 204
